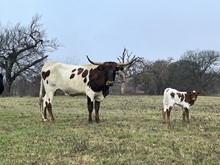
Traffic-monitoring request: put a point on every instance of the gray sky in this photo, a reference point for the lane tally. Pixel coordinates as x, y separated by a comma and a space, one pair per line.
153, 29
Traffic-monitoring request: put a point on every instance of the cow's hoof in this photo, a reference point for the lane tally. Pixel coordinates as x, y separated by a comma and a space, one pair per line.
90, 121
44, 120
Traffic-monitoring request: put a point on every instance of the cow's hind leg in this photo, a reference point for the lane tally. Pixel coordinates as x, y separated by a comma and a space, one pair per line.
168, 113
90, 109
47, 105
97, 105
44, 110
49, 108
164, 113
164, 116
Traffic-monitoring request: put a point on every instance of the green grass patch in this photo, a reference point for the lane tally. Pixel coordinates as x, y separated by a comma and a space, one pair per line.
130, 132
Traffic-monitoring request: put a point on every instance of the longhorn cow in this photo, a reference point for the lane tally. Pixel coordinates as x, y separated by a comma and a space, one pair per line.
93, 80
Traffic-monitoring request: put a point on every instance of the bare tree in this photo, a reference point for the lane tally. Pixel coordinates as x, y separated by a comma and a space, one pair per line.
129, 71
23, 49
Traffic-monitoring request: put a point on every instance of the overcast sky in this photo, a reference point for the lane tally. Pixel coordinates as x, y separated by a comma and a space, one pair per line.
153, 29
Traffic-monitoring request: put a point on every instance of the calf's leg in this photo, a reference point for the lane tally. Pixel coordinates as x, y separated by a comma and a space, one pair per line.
186, 115
168, 113
164, 116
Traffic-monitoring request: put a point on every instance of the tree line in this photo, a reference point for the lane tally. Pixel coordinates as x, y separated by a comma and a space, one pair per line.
196, 69
23, 50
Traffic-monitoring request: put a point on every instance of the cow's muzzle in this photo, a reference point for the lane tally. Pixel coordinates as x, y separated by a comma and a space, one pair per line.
109, 83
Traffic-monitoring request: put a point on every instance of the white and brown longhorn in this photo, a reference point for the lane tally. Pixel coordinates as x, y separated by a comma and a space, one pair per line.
173, 97
93, 80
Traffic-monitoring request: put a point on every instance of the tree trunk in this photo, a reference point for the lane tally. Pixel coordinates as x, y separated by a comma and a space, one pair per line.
7, 88
123, 88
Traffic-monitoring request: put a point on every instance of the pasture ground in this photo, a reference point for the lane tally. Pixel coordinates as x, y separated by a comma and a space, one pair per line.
131, 132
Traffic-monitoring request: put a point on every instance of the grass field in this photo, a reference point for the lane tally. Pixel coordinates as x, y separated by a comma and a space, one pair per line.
131, 132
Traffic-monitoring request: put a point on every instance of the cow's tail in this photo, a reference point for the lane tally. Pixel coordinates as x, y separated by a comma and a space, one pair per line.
41, 94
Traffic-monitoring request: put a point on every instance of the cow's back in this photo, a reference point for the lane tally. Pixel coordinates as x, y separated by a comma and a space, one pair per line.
66, 77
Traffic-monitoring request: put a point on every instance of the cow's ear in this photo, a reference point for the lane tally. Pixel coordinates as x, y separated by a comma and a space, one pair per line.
198, 92
100, 67
189, 92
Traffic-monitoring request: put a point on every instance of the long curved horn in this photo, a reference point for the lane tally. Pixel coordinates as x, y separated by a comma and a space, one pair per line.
127, 63
94, 63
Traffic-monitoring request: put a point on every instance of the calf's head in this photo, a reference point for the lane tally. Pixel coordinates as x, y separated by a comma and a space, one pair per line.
193, 95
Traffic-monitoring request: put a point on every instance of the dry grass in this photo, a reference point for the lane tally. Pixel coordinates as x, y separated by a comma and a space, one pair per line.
131, 132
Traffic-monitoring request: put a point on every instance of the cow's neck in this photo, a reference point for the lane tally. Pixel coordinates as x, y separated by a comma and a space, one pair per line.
97, 81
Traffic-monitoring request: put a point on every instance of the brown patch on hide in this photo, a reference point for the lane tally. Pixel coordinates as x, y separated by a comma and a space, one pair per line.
45, 74
80, 70
85, 80
72, 76
85, 73
181, 96
172, 94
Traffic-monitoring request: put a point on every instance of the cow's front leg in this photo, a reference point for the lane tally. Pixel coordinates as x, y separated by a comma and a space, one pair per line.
49, 108
186, 115
90, 109
97, 105
186, 110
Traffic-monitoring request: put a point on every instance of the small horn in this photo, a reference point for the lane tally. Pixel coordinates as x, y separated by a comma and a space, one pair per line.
94, 63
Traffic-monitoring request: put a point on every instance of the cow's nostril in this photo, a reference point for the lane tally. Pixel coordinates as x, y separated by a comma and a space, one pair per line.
109, 83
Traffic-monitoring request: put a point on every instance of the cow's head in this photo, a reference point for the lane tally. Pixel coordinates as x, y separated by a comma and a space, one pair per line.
190, 97
193, 94
109, 70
